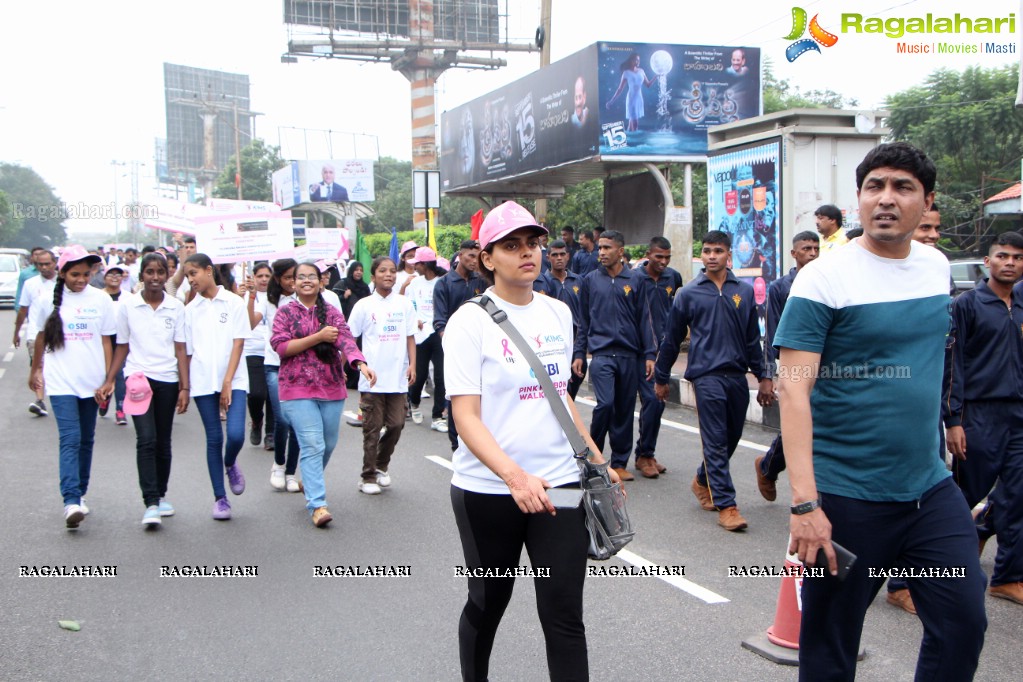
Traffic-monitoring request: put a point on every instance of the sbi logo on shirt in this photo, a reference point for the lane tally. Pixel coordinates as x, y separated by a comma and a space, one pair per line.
552, 369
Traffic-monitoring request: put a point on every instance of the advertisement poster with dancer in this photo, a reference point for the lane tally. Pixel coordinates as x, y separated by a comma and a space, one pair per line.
744, 185
659, 100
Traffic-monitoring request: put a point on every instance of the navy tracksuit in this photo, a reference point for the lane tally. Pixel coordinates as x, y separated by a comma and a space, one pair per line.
724, 344
662, 293
568, 293
584, 262
451, 291
613, 327
984, 395
773, 462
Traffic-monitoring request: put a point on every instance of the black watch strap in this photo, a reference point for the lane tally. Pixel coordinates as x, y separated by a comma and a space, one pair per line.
806, 507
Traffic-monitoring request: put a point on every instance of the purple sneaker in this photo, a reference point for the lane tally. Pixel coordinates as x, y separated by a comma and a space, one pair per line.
235, 478
222, 509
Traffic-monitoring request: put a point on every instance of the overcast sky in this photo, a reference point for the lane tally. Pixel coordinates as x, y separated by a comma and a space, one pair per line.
82, 82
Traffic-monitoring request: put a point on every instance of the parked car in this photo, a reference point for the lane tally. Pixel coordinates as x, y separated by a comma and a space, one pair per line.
966, 273
11, 263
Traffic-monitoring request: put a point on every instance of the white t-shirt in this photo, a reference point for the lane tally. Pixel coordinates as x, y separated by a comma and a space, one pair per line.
331, 299
211, 326
269, 311
35, 289
479, 359
400, 279
384, 325
80, 367
150, 335
182, 292
420, 292
256, 343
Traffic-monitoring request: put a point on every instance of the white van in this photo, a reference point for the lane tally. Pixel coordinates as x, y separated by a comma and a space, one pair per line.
11, 263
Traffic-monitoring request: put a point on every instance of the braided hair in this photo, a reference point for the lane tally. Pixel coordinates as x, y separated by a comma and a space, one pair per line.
325, 352
53, 329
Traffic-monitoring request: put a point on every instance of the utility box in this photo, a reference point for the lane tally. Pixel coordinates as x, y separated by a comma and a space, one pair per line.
767, 175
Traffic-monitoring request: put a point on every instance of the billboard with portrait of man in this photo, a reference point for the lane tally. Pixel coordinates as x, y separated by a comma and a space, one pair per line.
322, 181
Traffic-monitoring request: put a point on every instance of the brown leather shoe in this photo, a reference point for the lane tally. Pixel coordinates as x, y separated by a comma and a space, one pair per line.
729, 518
1011, 591
321, 517
645, 466
623, 474
703, 495
768, 488
902, 599
660, 467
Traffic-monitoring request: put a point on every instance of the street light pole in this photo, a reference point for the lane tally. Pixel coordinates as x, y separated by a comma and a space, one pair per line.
117, 210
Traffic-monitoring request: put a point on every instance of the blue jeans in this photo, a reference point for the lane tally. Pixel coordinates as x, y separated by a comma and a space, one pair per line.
284, 436
218, 457
316, 424
76, 426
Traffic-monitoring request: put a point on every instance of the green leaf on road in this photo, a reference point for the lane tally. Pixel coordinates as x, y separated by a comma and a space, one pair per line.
71, 625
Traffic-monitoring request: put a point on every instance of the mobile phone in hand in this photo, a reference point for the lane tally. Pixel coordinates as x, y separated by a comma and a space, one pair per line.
565, 498
843, 557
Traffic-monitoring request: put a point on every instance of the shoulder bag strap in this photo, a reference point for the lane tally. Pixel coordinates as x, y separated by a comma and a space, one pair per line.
579, 446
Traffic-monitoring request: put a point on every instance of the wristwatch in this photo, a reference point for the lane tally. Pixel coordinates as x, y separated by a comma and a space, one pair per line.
805, 507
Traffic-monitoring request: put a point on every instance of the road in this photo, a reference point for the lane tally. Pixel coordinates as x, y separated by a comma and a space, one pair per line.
286, 624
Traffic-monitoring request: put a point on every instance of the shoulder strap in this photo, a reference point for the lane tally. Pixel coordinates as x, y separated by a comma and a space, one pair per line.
560, 411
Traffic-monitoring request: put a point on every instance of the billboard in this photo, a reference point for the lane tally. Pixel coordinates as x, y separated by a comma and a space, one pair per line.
546, 119
189, 92
657, 101
474, 21
331, 180
744, 185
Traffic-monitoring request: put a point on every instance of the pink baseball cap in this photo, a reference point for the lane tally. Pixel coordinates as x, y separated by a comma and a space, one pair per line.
75, 253
322, 266
444, 263
424, 254
137, 394
505, 219
407, 246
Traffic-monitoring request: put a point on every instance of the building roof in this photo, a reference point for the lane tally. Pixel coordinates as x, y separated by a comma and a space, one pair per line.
1010, 193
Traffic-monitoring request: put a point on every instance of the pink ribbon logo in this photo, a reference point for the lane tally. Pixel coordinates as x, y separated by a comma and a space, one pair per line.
504, 345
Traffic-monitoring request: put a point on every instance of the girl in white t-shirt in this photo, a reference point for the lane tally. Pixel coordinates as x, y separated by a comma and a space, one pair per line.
151, 350
512, 448
386, 322
428, 346
72, 354
216, 326
260, 411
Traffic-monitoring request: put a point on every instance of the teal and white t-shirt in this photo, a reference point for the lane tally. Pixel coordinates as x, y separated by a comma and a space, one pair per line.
880, 325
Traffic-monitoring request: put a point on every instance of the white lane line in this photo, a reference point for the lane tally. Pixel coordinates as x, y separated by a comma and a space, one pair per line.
676, 581
2, 373
9, 356
446, 463
683, 427
636, 560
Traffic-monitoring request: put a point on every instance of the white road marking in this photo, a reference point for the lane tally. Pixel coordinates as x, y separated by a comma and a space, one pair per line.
636, 560
446, 463
2, 373
9, 356
681, 583
682, 427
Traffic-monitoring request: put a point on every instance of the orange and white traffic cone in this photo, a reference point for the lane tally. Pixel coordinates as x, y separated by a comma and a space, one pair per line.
789, 611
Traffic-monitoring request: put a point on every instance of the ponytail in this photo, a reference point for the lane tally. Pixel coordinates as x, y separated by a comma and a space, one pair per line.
326, 352
53, 329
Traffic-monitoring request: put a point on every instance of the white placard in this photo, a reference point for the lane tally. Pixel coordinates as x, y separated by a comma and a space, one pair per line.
245, 236
327, 243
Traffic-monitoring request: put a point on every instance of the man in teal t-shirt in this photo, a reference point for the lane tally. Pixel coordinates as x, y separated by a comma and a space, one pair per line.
864, 333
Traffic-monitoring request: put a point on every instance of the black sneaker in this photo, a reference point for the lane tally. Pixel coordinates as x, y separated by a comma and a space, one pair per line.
38, 408
256, 434
268, 442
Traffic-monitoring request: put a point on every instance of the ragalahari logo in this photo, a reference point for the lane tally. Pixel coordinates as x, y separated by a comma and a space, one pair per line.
817, 35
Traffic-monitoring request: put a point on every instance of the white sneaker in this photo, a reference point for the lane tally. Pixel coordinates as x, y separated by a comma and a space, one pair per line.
152, 516
277, 481
369, 487
292, 485
73, 515
440, 425
417, 415
383, 479
85, 508
425, 394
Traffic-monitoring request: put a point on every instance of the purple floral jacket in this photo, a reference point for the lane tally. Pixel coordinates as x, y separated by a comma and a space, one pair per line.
305, 376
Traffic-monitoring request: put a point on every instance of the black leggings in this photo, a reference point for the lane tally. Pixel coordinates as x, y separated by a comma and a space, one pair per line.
429, 351
493, 531
259, 398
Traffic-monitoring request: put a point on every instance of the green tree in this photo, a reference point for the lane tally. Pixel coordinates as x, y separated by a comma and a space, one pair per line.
36, 212
967, 124
259, 161
582, 207
10, 224
780, 95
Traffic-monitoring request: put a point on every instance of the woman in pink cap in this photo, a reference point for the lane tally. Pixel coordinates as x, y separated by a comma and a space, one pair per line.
406, 270
428, 349
512, 449
72, 354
